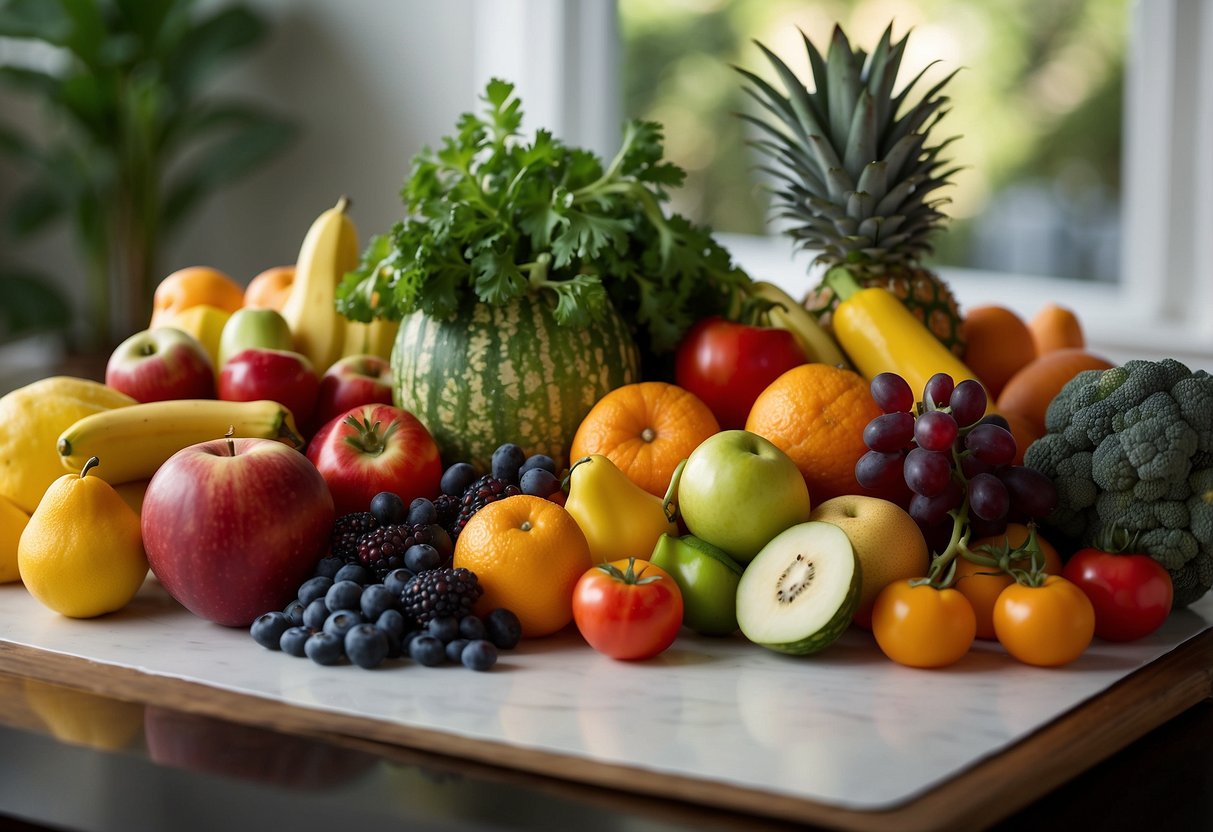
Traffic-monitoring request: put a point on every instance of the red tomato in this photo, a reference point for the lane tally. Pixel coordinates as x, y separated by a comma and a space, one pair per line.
727, 365
1047, 625
373, 448
1131, 593
921, 626
627, 609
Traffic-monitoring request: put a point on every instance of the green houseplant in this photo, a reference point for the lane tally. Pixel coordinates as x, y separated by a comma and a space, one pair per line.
133, 143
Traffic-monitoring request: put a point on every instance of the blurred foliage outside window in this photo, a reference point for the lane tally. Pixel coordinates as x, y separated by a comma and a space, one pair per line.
1038, 106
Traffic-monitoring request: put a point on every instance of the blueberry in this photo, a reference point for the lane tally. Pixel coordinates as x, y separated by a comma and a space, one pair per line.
314, 588
324, 648
377, 599
392, 621
454, 649
341, 622
442, 542
388, 508
314, 614
366, 645
421, 556
267, 629
355, 572
479, 655
444, 628
427, 650
327, 567
539, 482
343, 595
503, 628
457, 478
421, 511
542, 462
471, 627
397, 580
294, 612
293, 641
406, 641
507, 459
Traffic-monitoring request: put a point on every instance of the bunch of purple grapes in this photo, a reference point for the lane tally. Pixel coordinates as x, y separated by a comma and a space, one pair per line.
955, 459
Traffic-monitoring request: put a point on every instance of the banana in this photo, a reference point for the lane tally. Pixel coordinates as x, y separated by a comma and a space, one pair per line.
790, 315
329, 250
134, 446
375, 338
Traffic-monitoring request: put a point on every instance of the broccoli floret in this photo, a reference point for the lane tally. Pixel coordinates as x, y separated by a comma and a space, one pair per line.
1131, 449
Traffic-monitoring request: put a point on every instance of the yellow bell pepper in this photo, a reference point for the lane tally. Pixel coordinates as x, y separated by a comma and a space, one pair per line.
880, 335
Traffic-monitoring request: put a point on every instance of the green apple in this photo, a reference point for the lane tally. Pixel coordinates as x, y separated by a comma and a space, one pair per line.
250, 328
708, 579
738, 491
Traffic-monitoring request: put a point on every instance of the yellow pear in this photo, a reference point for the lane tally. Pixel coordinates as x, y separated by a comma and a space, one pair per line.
618, 518
12, 522
81, 553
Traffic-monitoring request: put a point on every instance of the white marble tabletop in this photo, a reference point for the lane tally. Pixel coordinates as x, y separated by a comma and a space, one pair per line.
846, 728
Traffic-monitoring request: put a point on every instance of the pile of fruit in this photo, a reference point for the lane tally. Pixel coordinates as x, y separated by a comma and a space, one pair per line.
553, 406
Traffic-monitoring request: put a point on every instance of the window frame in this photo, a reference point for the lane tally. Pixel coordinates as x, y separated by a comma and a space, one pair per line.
568, 75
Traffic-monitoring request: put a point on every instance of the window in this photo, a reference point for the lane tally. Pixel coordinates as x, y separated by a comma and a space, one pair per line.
1145, 288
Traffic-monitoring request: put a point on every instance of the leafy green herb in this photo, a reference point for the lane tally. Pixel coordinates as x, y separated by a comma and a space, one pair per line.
491, 217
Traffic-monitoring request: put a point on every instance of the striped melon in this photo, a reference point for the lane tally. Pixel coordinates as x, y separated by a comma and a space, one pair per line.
507, 373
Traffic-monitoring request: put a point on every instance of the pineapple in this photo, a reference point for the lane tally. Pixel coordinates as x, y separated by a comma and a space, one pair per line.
856, 177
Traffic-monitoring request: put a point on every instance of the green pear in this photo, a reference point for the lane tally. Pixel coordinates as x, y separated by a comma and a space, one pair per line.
708, 579
250, 328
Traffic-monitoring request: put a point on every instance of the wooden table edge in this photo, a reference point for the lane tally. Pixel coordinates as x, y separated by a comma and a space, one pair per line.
981, 795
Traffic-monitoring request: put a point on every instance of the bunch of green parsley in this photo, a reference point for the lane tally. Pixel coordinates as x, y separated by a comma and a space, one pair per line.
491, 217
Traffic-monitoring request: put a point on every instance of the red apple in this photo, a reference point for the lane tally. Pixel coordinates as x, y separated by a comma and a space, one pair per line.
375, 448
233, 527
353, 381
159, 364
281, 376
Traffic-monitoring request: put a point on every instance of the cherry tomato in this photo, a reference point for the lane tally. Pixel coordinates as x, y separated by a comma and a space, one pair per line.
1047, 625
982, 585
1131, 593
727, 365
627, 609
921, 626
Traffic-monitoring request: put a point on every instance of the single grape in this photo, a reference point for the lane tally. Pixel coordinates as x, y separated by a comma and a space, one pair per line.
988, 497
932, 511
937, 391
1033, 495
927, 472
892, 393
995, 419
935, 430
968, 402
991, 444
889, 432
877, 470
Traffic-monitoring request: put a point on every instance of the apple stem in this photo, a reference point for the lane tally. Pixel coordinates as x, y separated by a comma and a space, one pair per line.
92, 463
231, 443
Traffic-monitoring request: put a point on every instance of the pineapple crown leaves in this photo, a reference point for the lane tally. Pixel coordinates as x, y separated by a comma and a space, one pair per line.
855, 174
493, 215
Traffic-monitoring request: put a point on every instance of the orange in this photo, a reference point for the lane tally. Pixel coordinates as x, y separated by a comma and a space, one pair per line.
982, 590
1030, 391
270, 288
528, 554
1054, 327
998, 344
194, 286
646, 429
816, 413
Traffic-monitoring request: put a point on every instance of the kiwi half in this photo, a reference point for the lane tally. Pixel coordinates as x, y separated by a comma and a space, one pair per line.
799, 593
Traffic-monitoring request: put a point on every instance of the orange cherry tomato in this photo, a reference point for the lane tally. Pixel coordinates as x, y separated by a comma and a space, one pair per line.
1047, 625
921, 626
982, 586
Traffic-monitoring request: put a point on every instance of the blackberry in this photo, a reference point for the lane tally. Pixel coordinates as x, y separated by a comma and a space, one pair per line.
382, 550
446, 506
487, 489
347, 531
441, 592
